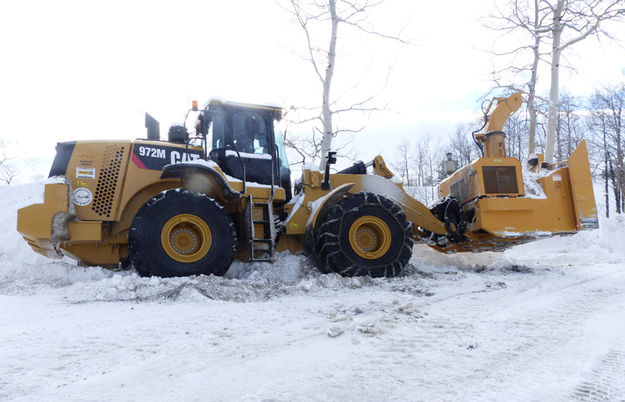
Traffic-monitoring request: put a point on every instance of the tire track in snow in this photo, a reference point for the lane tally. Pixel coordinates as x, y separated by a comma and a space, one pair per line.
546, 343
607, 381
462, 337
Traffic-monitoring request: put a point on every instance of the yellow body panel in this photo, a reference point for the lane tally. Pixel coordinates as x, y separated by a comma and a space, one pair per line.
34, 222
85, 231
36, 219
99, 167
106, 255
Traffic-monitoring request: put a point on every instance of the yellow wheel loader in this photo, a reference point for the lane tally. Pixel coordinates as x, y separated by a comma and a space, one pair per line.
192, 204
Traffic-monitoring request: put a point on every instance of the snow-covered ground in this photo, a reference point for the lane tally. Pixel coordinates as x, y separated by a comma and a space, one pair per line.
542, 321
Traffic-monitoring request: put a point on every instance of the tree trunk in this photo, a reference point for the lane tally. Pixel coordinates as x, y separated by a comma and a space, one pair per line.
328, 131
556, 52
559, 139
605, 171
616, 188
569, 128
620, 168
531, 96
407, 168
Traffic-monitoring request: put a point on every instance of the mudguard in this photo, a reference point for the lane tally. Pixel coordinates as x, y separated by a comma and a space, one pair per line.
322, 205
203, 177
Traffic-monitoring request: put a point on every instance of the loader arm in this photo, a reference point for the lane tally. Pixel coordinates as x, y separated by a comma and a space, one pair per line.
420, 216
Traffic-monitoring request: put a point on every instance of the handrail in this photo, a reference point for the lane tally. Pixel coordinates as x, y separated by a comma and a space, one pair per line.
241, 162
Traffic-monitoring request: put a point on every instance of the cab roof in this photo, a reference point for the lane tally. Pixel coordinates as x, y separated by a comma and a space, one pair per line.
277, 110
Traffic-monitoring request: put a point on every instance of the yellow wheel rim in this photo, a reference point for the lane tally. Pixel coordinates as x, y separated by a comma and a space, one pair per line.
370, 237
186, 238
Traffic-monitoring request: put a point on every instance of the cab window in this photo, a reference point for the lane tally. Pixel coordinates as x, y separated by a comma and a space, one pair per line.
217, 130
250, 133
284, 163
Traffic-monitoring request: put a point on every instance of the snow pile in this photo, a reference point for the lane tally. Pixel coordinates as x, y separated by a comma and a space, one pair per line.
533, 189
22, 271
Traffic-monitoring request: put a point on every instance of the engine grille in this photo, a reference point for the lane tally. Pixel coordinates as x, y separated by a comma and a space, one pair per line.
500, 180
108, 181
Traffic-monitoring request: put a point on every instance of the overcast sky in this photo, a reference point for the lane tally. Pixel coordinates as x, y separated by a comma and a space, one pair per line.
86, 70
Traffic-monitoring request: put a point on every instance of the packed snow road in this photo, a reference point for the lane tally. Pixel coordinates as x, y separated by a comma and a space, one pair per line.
543, 321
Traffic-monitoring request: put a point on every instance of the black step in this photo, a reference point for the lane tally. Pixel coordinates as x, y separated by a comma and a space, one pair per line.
260, 259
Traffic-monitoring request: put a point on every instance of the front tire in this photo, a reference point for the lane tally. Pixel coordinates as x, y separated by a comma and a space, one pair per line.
181, 233
364, 234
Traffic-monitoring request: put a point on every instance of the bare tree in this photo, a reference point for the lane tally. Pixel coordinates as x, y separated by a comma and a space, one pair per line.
526, 18
516, 136
306, 147
568, 131
461, 145
564, 23
435, 163
423, 161
309, 147
332, 14
7, 171
403, 162
607, 114
581, 18
598, 126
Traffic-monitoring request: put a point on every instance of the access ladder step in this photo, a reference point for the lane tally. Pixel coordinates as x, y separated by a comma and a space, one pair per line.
264, 220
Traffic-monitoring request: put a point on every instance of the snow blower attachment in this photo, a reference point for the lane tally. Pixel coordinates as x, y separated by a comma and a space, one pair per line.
192, 204
502, 207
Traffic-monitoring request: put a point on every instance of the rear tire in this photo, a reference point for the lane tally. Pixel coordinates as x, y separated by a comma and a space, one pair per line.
364, 234
181, 233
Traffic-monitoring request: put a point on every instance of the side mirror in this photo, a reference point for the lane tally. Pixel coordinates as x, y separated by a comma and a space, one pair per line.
330, 160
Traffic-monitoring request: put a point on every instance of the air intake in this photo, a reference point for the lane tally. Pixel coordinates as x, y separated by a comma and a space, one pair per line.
108, 181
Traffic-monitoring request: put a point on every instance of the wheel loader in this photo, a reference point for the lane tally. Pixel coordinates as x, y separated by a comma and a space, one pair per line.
193, 203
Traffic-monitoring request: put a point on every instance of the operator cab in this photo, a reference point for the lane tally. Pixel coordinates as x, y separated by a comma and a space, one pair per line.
242, 140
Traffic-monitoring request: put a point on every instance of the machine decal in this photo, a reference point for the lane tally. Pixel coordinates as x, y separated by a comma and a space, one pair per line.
155, 157
183, 156
152, 152
85, 172
137, 162
82, 196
